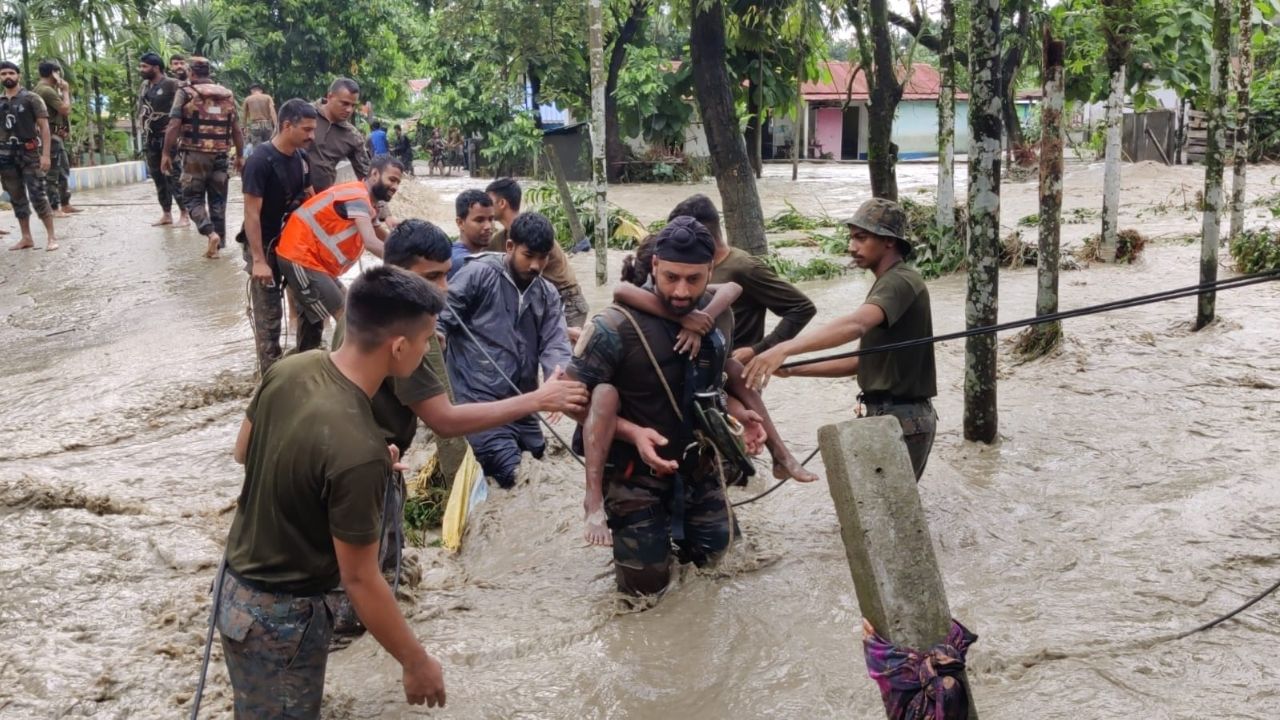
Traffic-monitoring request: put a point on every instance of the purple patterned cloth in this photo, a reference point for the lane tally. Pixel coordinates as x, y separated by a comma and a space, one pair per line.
921, 686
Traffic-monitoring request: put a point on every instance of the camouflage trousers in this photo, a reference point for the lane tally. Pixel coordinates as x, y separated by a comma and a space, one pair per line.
22, 178
276, 647
266, 305
58, 179
919, 424
168, 187
649, 514
204, 191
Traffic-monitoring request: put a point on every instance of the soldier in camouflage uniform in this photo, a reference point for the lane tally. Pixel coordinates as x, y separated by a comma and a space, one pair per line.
900, 382
56, 94
155, 100
204, 125
24, 155
660, 484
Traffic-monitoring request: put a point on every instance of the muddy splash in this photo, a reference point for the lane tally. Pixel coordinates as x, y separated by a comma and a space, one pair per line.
1134, 494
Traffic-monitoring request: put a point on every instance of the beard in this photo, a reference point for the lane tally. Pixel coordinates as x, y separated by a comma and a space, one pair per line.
180, 74
10, 84
381, 192
677, 310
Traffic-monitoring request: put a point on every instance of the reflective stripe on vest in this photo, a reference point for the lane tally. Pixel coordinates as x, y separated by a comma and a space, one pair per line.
332, 242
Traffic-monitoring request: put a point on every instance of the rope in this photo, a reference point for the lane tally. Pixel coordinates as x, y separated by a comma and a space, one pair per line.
1223, 618
506, 377
1175, 294
208, 638
778, 484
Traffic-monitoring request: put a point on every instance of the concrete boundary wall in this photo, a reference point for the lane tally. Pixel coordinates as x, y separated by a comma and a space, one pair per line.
98, 176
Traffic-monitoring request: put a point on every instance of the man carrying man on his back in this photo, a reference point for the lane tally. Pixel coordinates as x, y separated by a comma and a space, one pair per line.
326, 237
503, 322
203, 126
309, 516
506, 196
762, 289
277, 179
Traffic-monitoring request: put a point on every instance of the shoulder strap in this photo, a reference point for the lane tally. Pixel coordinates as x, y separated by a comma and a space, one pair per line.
644, 342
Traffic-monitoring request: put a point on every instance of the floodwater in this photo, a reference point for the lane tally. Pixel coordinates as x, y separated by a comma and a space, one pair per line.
1133, 494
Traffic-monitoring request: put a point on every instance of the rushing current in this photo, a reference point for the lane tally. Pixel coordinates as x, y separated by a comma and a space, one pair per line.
1135, 492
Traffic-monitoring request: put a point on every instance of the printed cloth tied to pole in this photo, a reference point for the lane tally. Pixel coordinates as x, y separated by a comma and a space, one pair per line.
921, 686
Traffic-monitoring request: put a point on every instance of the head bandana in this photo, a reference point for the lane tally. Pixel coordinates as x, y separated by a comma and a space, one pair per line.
685, 240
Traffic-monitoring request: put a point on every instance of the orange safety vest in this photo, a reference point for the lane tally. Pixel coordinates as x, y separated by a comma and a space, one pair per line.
317, 237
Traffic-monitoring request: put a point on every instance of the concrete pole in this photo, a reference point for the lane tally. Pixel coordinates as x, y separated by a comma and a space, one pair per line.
886, 537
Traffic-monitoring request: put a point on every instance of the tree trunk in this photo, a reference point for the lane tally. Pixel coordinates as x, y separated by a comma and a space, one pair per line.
981, 303
133, 116
886, 90
797, 134
1182, 129
1045, 337
595, 23
1111, 168
25, 40
743, 218
615, 149
1242, 118
751, 133
946, 210
97, 97
1213, 157
566, 195
535, 95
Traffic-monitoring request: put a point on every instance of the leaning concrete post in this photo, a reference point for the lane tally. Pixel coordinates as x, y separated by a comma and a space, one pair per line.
886, 537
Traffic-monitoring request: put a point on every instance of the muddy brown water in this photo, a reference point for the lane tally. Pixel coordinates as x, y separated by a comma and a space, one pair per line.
1134, 493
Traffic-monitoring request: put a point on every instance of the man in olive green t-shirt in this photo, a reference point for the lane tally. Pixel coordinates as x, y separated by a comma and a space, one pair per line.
897, 382
423, 249
310, 513
57, 99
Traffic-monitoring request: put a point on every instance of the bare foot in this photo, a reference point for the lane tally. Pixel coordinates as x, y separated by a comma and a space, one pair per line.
72, 210
788, 467
51, 245
165, 219
597, 532
24, 244
60, 214
183, 221
212, 251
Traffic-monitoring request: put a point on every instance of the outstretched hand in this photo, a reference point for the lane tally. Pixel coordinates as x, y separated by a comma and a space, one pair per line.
647, 444
689, 342
763, 366
560, 395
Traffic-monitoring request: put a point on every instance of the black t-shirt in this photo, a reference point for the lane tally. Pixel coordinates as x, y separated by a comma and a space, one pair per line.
157, 101
279, 180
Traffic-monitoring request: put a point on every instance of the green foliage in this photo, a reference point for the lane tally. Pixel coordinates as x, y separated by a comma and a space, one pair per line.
625, 230
795, 271
935, 254
512, 144
651, 98
1031, 220
1265, 96
793, 219
1256, 251
425, 512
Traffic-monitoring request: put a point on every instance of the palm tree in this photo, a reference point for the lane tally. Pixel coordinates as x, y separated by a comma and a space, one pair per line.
205, 29
17, 17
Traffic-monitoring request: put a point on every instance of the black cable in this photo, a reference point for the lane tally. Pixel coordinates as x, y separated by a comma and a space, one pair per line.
1223, 618
1228, 284
776, 485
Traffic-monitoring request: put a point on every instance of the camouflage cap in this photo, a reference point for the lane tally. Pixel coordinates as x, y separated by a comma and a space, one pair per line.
885, 218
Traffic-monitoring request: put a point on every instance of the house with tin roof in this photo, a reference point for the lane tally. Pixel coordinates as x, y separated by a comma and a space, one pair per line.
833, 125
